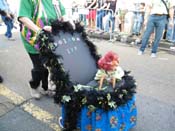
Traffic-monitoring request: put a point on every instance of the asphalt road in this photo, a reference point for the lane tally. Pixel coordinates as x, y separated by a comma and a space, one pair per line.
155, 92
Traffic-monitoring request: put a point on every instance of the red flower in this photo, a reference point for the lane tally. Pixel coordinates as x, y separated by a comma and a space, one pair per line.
108, 61
89, 127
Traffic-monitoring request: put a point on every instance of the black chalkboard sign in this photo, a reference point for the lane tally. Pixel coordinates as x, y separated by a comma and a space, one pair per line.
77, 59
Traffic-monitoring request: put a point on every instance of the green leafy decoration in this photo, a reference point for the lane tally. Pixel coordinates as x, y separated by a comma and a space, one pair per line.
124, 91
84, 100
92, 108
112, 104
108, 96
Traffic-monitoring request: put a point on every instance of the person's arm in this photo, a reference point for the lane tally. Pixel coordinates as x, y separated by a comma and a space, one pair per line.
29, 23
147, 13
108, 5
104, 6
25, 16
115, 8
92, 4
96, 5
171, 14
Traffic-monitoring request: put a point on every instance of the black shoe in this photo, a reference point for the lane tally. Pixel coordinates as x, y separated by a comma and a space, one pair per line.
1, 80
131, 35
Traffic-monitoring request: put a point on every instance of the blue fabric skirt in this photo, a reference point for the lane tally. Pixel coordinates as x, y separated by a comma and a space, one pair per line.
122, 118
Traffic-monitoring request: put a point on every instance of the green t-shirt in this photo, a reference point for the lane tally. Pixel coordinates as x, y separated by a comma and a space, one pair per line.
41, 12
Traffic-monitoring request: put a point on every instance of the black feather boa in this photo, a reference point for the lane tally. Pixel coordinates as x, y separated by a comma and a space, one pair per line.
74, 97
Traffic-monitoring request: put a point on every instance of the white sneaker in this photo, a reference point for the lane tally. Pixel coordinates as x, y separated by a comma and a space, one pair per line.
51, 86
35, 94
172, 47
153, 55
140, 52
60, 122
43, 92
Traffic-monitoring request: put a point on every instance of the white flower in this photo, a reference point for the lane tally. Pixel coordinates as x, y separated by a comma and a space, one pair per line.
77, 87
66, 99
81, 87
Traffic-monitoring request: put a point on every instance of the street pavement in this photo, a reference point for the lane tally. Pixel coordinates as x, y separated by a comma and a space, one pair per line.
155, 91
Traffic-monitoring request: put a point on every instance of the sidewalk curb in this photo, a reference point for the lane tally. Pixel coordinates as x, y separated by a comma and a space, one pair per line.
164, 44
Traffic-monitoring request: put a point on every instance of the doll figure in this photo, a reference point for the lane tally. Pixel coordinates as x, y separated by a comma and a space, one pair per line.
109, 69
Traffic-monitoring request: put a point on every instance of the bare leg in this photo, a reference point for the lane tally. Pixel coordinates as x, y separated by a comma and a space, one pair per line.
113, 82
101, 82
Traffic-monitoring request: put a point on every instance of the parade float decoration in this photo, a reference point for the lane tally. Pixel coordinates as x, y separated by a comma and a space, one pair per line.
72, 59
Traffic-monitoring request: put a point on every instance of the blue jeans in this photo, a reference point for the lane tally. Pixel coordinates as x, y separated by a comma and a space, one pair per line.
112, 19
136, 27
174, 32
138, 20
154, 22
100, 15
9, 25
83, 18
170, 35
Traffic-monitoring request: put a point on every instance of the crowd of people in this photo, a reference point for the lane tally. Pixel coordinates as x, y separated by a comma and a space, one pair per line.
106, 16
99, 15
111, 16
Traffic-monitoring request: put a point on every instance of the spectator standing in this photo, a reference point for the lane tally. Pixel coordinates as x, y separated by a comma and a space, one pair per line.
138, 18
157, 12
169, 33
7, 17
83, 11
101, 12
111, 14
92, 14
75, 15
122, 9
173, 33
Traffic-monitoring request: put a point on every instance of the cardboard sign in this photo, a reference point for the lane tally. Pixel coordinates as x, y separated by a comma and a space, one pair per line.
77, 59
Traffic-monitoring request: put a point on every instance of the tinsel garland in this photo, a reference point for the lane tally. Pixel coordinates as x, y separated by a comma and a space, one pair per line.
74, 97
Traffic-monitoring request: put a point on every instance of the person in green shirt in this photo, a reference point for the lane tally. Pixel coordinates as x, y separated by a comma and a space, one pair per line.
35, 15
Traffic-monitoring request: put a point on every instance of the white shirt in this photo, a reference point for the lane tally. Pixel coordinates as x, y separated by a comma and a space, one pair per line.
118, 74
158, 7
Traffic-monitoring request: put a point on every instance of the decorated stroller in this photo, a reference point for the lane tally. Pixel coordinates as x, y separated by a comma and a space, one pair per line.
72, 61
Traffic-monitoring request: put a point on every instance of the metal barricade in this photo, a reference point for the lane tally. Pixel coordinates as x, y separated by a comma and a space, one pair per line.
104, 21
101, 21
